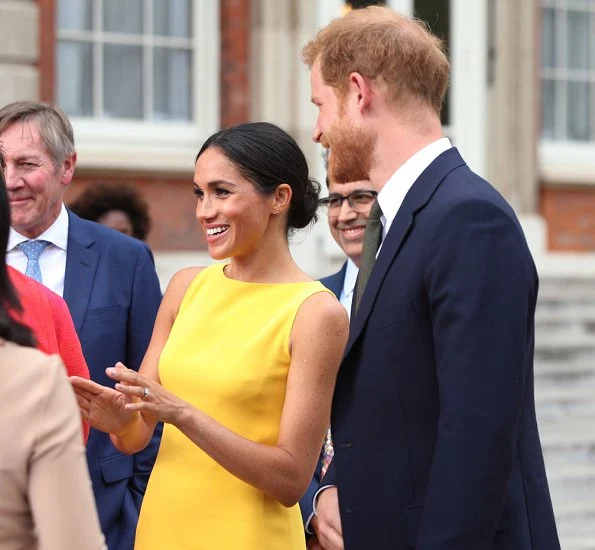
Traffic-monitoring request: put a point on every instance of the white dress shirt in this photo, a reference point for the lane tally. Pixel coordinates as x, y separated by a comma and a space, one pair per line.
346, 296
52, 261
391, 196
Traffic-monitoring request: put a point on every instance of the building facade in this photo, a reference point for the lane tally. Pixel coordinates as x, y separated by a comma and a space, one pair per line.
146, 81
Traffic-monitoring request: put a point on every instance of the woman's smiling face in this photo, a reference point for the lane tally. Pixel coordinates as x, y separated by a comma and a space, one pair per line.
232, 212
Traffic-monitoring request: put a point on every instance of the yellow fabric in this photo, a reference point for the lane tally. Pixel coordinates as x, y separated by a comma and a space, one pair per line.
228, 355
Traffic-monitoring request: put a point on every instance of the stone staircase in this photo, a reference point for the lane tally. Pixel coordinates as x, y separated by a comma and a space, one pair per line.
565, 400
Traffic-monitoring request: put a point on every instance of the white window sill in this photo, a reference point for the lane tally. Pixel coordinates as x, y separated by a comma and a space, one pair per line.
136, 146
567, 162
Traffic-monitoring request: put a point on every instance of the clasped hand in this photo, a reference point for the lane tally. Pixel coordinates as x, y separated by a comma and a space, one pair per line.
113, 410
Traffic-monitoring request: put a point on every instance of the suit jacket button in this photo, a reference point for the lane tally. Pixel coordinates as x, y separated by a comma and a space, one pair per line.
346, 445
349, 511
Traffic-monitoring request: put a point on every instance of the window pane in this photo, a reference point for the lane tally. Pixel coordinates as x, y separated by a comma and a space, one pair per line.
578, 110
548, 39
172, 84
548, 109
172, 18
74, 14
436, 13
123, 81
578, 39
123, 16
74, 75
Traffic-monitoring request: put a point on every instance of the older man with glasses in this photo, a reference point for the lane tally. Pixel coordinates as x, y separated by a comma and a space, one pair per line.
347, 207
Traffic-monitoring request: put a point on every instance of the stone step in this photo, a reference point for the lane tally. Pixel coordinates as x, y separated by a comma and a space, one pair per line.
566, 293
568, 443
576, 523
561, 373
572, 338
565, 336
569, 312
570, 483
573, 350
564, 394
565, 402
578, 543
556, 281
574, 508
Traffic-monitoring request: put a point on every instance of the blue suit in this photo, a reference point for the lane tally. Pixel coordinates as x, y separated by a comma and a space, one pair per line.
113, 293
334, 283
436, 441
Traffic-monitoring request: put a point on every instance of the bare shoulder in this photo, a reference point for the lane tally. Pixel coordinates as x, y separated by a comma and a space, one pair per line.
178, 285
322, 313
184, 277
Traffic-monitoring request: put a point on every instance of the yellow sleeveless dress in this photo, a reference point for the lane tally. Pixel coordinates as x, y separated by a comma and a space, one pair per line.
228, 355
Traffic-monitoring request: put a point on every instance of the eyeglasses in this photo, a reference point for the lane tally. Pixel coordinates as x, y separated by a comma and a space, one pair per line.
359, 201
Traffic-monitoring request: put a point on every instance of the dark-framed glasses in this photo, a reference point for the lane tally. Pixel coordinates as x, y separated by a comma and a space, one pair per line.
360, 201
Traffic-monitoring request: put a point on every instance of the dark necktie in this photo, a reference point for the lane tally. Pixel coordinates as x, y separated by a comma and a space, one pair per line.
372, 240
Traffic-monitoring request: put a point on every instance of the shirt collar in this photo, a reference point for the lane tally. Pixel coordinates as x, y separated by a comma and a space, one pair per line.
392, 195
350, 277
57, 233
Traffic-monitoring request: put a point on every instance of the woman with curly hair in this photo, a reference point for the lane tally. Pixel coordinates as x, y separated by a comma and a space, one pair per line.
116, 205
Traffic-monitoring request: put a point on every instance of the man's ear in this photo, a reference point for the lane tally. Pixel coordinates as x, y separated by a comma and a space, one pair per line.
282, 198
361, 87
68, 167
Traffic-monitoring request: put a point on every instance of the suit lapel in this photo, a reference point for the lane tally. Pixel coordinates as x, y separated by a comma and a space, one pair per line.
335, 282
418, 196
81, 265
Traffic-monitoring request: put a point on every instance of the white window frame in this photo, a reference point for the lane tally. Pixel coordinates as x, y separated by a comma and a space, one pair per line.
564, 161
162, 147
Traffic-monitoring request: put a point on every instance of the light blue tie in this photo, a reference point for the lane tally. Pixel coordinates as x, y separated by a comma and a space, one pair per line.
33, 249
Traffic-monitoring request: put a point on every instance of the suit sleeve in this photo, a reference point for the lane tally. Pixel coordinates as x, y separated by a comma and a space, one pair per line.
146, 297
482, 286
59, 490
69, 344
307, 501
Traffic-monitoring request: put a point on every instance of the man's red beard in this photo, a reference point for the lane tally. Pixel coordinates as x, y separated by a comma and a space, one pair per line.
351, 151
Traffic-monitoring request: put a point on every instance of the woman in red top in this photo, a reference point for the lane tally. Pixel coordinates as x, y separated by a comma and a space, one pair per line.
47, 315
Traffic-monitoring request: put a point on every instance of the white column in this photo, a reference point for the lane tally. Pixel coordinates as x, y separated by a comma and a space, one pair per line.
327, 10
469, 88
402, 6
281, 94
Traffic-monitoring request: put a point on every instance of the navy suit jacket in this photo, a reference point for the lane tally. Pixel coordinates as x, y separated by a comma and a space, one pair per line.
113, 294
334, 283
436, 441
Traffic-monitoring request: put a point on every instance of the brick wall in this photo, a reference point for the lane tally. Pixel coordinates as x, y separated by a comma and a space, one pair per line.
235, 56
47, 40
570, 216
171, 208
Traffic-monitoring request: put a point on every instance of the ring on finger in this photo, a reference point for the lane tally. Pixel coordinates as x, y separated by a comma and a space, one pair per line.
146, 393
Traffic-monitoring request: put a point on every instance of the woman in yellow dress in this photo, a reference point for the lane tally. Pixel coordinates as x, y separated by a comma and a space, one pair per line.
242, 362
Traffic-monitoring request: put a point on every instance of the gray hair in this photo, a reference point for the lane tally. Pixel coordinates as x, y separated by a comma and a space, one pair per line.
54, 127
